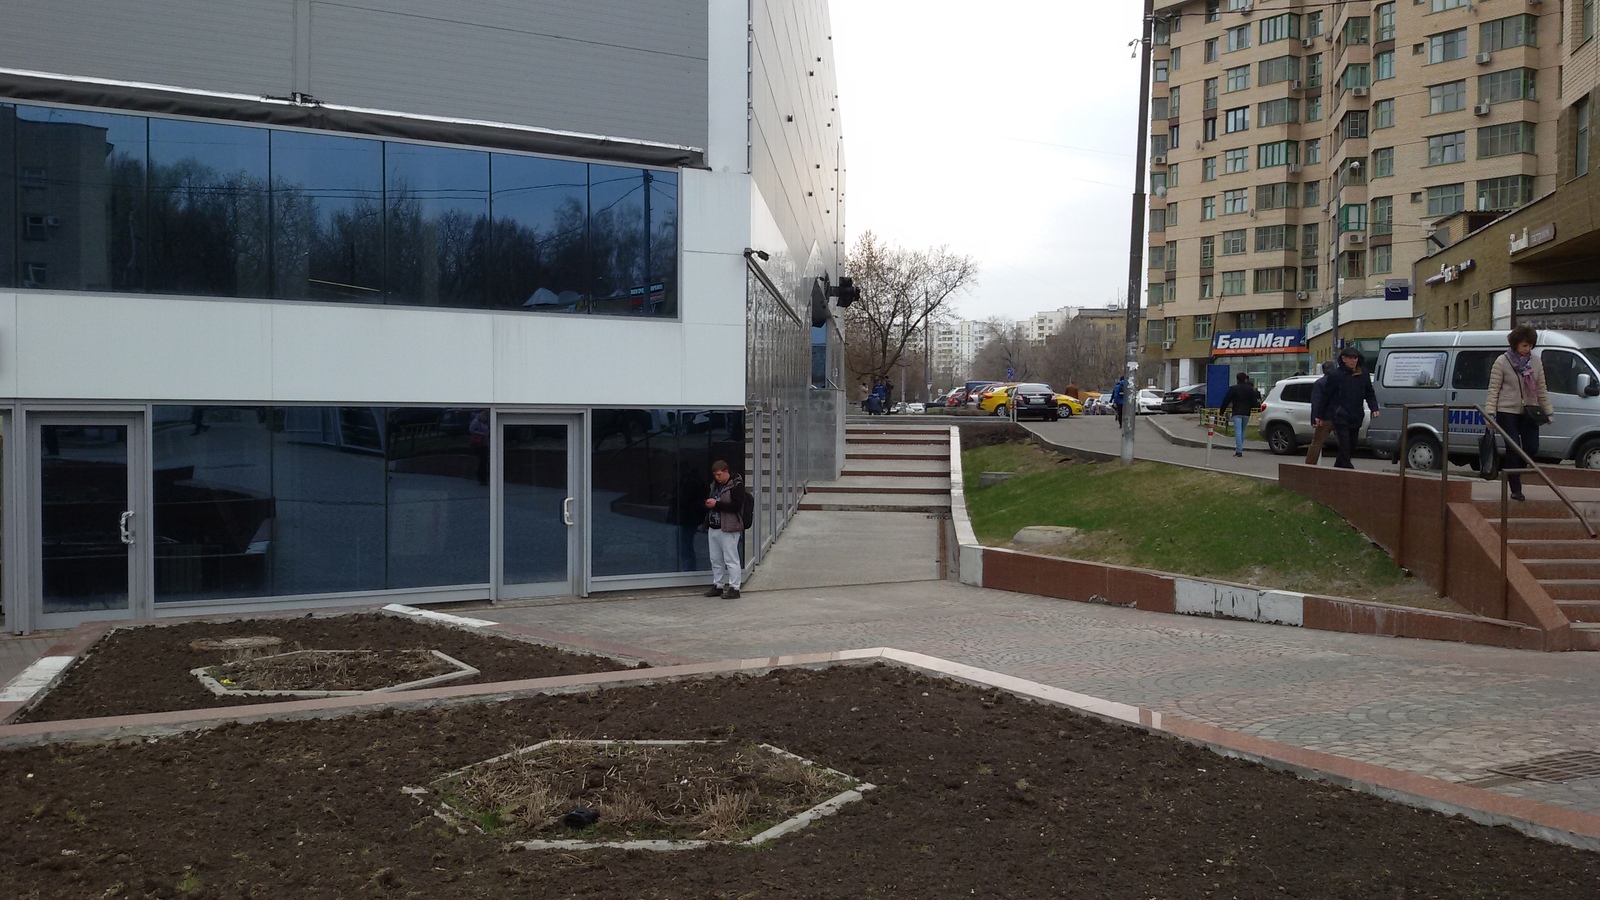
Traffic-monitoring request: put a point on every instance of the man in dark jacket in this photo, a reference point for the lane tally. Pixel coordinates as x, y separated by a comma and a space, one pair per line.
1341, 400
725, 529
1319, 434
1243, 399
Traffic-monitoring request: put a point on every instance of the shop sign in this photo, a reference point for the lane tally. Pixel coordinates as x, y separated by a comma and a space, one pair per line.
1544, 234
1538, 299
1241, 343
1448, 272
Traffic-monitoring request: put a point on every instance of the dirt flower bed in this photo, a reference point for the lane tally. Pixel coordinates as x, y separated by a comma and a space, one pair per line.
979, 794
147, 669
307, 669
693, 790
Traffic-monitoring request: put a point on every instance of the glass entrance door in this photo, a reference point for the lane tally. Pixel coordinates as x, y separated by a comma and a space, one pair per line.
88, 526
540, 509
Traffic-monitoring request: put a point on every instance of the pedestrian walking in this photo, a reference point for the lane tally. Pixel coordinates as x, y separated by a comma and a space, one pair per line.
1347, 389
1519, 400
1118, 395
1243, 399
1320, 432
725, 527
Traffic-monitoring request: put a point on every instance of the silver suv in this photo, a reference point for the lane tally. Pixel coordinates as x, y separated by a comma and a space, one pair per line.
1286, 416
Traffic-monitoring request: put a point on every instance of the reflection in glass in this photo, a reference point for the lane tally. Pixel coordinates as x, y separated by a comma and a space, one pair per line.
83, 482
540, 212
438, 216
663, 218
213, 502
534, 469
438, 503
651, 474
328, 477
327, 206
619, 261
208, 209
80, 197
8, 195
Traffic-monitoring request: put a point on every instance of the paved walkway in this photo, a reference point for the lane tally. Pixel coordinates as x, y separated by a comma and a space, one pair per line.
1446, 710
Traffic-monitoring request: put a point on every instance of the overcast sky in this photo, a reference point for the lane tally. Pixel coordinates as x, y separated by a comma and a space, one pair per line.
1004, 129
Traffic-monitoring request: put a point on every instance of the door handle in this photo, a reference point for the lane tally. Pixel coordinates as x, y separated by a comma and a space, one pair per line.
124, 526
566, 511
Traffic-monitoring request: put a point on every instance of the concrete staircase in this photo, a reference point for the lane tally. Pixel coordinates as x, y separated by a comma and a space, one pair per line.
1554, 546
890, 466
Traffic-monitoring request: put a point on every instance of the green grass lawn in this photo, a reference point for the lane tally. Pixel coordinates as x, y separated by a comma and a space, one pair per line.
1185, 521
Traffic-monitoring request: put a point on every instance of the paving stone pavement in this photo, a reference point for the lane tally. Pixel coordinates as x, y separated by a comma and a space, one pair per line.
1450, 711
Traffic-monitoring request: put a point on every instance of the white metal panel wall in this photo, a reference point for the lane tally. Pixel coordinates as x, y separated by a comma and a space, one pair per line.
608, 67
64, 346
796, 152
243, 46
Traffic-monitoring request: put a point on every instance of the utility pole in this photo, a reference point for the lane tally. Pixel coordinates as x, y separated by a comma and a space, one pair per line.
1136, 237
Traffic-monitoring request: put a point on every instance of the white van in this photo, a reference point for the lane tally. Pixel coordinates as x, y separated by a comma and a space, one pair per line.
1453, 367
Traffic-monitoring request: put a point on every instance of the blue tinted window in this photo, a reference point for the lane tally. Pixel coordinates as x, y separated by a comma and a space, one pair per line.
438, 218
80, 200
8, 195
209, 232
538, 256
663, 243
438, 515
619, 258
327, 207
328, 476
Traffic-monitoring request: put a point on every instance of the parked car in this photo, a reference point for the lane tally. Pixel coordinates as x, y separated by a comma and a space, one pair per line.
1453, 367
1286, 416
1029, 399
913, 409
1186, 399
993, 396
1068, 406
1149, 401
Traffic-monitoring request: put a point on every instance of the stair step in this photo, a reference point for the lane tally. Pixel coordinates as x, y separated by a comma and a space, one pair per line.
875, 489
1543, 529
1563, 589
1543, 569
903, 470
1527, 550
1527, 509
853, 456
1580, 610
875, 502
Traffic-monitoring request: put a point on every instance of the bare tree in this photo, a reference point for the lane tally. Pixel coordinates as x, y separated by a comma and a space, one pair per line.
1084, 353
1007, 350
902, 293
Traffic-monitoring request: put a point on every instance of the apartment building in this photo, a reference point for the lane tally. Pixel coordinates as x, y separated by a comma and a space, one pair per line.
955, 344
307, 304
1303, 151
1041, 325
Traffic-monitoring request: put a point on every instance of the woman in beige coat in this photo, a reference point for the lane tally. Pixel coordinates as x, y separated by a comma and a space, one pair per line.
1516, 383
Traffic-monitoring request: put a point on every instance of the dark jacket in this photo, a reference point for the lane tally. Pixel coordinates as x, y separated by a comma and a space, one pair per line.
1241, 398
1343, 396
728, 514
1318, 386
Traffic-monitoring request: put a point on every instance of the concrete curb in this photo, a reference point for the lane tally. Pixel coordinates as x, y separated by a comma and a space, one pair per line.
1538, 820
969, 559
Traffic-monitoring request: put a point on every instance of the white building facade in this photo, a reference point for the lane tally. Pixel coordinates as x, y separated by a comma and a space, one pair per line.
310, 304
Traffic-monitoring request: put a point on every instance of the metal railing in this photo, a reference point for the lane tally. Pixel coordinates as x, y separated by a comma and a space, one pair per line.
1532, 469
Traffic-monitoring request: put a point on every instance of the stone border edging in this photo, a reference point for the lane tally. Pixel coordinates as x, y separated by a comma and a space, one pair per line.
969, 553
1539, 820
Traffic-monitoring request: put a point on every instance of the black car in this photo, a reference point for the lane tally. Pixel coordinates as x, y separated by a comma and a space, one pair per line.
1184, 399
1031, 400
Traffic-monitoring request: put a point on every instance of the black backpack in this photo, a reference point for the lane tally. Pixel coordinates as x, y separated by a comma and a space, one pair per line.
748, 514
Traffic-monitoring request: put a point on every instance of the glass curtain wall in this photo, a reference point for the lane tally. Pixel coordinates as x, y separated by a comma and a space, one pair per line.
256, 501
100, 201
778, 373
650, 471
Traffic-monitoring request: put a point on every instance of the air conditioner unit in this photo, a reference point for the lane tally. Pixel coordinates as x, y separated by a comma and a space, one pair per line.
1296, 85
1302, 295
1158, 160
1245, 10
1308, 43
1358, 92
1482, 109
1294, 168
1485, 58
1358, 239
1198, 145
1166, 345
1328, 37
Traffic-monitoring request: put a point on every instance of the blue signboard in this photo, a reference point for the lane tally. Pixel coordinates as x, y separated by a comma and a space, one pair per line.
1249, 343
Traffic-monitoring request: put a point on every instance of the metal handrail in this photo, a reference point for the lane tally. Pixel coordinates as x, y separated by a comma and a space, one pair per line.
1532, 468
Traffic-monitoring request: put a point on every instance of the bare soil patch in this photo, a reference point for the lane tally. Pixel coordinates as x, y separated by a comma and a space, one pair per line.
146, 669
308, 669
979, 794
617, 791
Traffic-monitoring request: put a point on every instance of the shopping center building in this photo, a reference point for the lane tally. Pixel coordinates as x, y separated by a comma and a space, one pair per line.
305, 304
